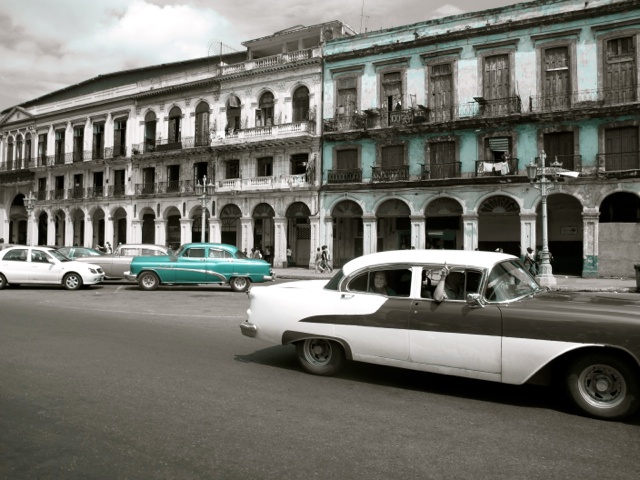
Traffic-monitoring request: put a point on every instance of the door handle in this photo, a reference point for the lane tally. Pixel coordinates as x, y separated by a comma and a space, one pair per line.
347, 295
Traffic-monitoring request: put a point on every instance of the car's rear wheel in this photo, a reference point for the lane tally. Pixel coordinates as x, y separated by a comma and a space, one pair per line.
603, 386
239, 284
3, 281
148, 281
320, 356
72, 281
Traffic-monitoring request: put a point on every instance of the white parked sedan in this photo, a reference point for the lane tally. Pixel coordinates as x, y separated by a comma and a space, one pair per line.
44, 265
475, 314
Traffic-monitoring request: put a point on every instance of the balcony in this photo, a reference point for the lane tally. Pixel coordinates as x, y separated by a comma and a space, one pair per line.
612, 162
496, 168
582, 99
568, 162
170, 187
262, 183
345, 175
270, 62
261, 133
97, 191
345, 123
491, 108
116, 191
14, 165
56, 194
398, 173
75, 193
441, 171
145, 188
41, 195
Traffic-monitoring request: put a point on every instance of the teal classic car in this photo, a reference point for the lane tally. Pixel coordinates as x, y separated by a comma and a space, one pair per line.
200, 263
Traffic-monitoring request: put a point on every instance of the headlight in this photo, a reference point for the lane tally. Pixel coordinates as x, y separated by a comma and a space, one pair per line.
93, 270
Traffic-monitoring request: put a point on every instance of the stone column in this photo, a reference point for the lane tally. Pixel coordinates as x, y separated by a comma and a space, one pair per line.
160, 225
68, 229
470, 231
369, 234
590, 225
314, 243
527, 232
136, 231
108, 231
51, 230
246, 235
327, 238
418, 231
186, 224
88, 231
280, 242
215, 226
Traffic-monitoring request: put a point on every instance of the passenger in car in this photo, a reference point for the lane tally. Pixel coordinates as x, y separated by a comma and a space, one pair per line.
451, 286
380, 284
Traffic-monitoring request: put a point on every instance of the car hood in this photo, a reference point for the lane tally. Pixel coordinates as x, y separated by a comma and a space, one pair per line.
76, 264
297, 285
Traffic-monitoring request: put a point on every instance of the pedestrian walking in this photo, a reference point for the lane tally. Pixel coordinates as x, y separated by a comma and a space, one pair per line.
318, 261
530, 261
289, 257
326, 259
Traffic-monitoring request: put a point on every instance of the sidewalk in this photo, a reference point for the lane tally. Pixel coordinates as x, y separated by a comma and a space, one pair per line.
563, 282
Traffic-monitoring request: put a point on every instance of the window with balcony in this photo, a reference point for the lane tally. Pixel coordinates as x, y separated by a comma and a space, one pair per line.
58, 193
441, 92
202, 124
497, 157
78, 143
120, 138
41, 194
264, 113
150, 132
301, 104
97, 151
175, 126
119, 177
442, 160
621, 148
620, 76
233, 115
392, 94
173, 179
97, 188
557, 78
560, 146
59, 147
78, 187
392, 165
232, 169
347, 97
347, 167
265, 167
10, 152
497, 100
42, 149
19, 151
27, 147
148, 181
299, 163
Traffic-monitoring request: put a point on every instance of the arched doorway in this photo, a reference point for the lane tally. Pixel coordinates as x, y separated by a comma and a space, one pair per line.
263, 228
347, 232
98, 219
18, 218
77, 220
564, 228
443, 226
172, 233
299, 233
59, 220
619, 230
499, 225
393, 225
301, 104
120, 226
43, 229
230, 224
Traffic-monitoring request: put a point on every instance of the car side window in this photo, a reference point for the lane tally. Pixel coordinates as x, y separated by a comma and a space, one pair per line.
19, 255
215, 253
150, 252
457, 284
130, 252
390, 282
195, 253
39, 256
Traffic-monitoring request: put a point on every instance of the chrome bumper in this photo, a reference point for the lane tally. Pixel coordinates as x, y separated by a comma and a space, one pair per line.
248, 329
131, 278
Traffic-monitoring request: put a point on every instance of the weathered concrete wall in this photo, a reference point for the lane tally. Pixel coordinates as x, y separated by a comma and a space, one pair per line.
618, 261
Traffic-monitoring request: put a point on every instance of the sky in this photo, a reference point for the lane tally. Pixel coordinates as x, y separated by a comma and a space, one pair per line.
46, 45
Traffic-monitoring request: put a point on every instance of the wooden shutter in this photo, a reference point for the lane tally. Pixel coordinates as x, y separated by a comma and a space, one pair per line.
441, 92
620, 70
556, 81
347, 159
443, 158
621, 145
496, 77
392, 156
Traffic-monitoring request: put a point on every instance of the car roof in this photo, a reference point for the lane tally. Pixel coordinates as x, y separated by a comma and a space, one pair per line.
452, 257
226, 246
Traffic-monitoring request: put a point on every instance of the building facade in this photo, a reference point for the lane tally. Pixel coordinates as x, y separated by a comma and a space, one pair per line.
428, 129
117, 158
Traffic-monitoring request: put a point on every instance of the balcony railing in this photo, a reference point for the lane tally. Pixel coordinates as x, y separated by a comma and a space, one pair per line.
75, 193
618, 161
165, 145
97, 191
441, 171
343, 123
146, 188
487, 168
41, 195
568, 162
172, 186
262, 183
582, 99
271, 61
116, 191
56, 194
398, 173
346, 175
273, 131
17, 164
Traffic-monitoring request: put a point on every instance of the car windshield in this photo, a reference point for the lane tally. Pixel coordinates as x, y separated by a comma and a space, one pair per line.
510, 280
59, 256
240, 254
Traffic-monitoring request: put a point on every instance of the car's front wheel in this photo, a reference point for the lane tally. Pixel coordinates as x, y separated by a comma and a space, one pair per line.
320, 356
3, 281
603, 386
72, 281
239, 284
148, 281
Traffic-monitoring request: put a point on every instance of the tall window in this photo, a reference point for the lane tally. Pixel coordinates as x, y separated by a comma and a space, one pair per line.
233, 115
441, 90
557, 82
265, 167
442, 160
347, 159
392, 95
78, 143
149, 132
347, 96
175, 125
42, 149
301, 104
621, 148
120, 138
620, 76
232, 169
19, 150
496, 84
392, 156
59, 147
299, 163
264, 114
202, 124
27, 147
98, 141
10, 151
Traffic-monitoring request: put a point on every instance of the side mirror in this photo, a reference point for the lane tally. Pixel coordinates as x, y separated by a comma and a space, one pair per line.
475, 299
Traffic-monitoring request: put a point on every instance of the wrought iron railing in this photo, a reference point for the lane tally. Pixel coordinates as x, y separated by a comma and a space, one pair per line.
487, 168
347, 175
438, 171
56, 194
618, 161
582, 99
116, 191
172, 186
343, 123
145, 188
17, 164
41, 195
568, 162
75, 193
97, 191
398, 173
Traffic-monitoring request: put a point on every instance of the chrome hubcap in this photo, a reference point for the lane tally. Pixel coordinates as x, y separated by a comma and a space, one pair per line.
318, 352
602, 386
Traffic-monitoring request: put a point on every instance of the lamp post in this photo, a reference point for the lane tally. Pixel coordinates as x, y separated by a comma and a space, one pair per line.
30, 205
538, 178
204, 192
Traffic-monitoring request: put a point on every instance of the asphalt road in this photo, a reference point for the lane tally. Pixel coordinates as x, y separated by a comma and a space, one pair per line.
111, 382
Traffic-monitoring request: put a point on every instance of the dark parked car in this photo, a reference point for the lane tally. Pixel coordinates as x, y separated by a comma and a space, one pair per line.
200, 263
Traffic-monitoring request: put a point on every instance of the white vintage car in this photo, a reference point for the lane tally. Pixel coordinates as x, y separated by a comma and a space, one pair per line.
475, 314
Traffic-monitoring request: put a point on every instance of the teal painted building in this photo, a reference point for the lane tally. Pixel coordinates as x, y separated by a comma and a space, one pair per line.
428, 129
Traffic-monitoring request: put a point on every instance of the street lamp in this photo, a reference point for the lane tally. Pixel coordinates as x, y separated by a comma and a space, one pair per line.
30, 205
205, 192
538, 179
